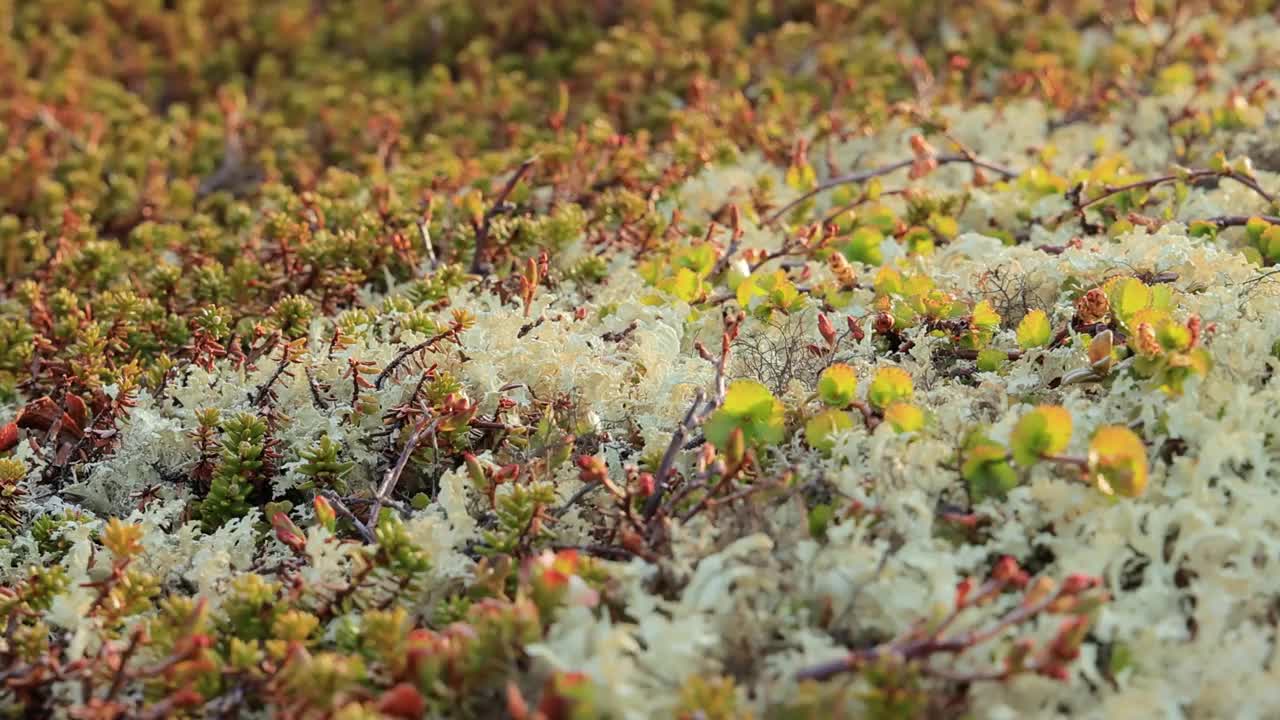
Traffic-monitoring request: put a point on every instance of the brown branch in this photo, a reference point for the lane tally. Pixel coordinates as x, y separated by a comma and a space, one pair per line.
866, 175
478, 264
1189, 177
912, 647
393, 475
341, 508
316, 398
691, 420
407, 353
1226, 221
121, 674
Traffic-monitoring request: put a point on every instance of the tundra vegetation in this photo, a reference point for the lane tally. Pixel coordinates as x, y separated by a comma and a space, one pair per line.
585, 359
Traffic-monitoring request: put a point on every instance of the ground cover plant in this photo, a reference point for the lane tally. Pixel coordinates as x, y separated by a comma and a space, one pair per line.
591, 359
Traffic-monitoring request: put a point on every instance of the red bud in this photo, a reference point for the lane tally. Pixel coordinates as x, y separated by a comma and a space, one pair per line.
962, 591
1007, 570
647, 484
402, 701
8, 437
855, 329
827, 330
287, 532
1078, 583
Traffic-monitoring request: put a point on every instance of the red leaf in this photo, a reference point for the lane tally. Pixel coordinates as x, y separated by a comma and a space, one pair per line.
70, 427
8, 437
402, 701
77, 411
39, 414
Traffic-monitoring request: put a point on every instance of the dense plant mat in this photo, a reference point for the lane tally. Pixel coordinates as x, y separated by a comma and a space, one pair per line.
588, 359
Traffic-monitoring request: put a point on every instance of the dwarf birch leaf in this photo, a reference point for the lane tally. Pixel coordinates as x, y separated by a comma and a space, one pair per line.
987, 471
1045, 430
750, 406
904, 417
890, 384
1118, 461
1034, 330
985, 317
838, 385
821, 429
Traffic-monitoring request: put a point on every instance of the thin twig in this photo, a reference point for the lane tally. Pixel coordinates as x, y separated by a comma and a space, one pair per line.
866, 175
691, 420
1188, 177
910, 649
406, 354
577, 497
478, 265
264, 391
342, 509
316, 398
1226, 221
393, 475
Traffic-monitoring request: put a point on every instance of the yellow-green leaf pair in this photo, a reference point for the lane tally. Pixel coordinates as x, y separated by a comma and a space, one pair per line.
750, 406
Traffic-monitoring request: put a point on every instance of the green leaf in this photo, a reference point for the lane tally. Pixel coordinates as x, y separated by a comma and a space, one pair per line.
1034, 330
1128, 296
1254, 229
1269, 243
1202, 229
1045, 430
888, 282
750, 406
991, 360
890, 385
701, 259
874, 188
820, 517
1172, 77
685, 285
919, 240
822, 428
985, 316
864, 246
838, 385
746, 397
987, 471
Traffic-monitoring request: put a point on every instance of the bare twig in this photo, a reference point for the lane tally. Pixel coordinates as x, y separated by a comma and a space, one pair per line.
393, 475
576, 498
316, 398
407, 353
1188, 177
923, 642
478, 264
1226, 221
342, 509
691, 420
866, 175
